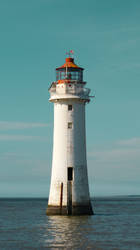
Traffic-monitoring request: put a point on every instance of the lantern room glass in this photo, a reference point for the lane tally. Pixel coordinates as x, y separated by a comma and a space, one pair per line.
68, 74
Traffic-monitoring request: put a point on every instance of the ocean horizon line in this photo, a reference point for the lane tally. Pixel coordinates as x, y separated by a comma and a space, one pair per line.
92, 198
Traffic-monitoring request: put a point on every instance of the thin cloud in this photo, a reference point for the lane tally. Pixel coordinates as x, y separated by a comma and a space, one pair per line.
6, 125
130, 142
121, 151
117, 155
7, 137
12, 156
115, 163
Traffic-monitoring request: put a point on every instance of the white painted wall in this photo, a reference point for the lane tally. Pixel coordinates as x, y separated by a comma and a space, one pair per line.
69, 150
59, 161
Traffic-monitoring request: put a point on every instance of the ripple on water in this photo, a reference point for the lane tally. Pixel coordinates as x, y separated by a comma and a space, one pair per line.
115, 225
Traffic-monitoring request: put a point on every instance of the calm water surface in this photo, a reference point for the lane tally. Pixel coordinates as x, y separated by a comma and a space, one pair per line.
115, 225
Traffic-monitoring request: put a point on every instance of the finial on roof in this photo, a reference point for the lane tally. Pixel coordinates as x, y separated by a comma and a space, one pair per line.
70, 53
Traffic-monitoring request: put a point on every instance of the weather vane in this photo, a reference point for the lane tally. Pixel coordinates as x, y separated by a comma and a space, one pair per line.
70, 53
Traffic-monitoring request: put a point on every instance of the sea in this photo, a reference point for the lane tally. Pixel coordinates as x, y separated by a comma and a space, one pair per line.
115, 225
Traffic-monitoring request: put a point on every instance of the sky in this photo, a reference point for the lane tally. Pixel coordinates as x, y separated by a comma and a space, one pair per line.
34, 38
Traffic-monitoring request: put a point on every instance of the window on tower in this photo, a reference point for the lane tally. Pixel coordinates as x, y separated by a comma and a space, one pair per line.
69, 125
69, 107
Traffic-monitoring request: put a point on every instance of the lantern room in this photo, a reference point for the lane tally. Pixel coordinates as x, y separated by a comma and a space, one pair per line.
69, 71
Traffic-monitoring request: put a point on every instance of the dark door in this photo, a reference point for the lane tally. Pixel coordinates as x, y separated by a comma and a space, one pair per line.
69, 190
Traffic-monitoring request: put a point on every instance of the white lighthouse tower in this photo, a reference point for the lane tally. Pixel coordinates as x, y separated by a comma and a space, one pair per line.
69, 190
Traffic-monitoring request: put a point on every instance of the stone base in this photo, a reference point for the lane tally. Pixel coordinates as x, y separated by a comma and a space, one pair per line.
56, 210
76, 210
82, 210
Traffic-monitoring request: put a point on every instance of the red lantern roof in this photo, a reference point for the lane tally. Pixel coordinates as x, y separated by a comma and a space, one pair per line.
69, 64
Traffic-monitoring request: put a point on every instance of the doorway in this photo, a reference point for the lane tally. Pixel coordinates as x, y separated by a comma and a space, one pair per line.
69, 190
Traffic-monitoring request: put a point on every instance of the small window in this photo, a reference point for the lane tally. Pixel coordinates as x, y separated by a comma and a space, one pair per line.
70, 174
69, 107
69, 124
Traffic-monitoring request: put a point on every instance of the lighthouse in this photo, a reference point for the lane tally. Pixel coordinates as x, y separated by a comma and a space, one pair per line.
69, 189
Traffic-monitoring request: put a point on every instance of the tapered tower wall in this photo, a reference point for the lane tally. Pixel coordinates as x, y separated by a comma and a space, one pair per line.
69, 150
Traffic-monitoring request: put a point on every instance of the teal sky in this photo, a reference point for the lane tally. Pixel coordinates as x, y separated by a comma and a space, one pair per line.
34, 38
